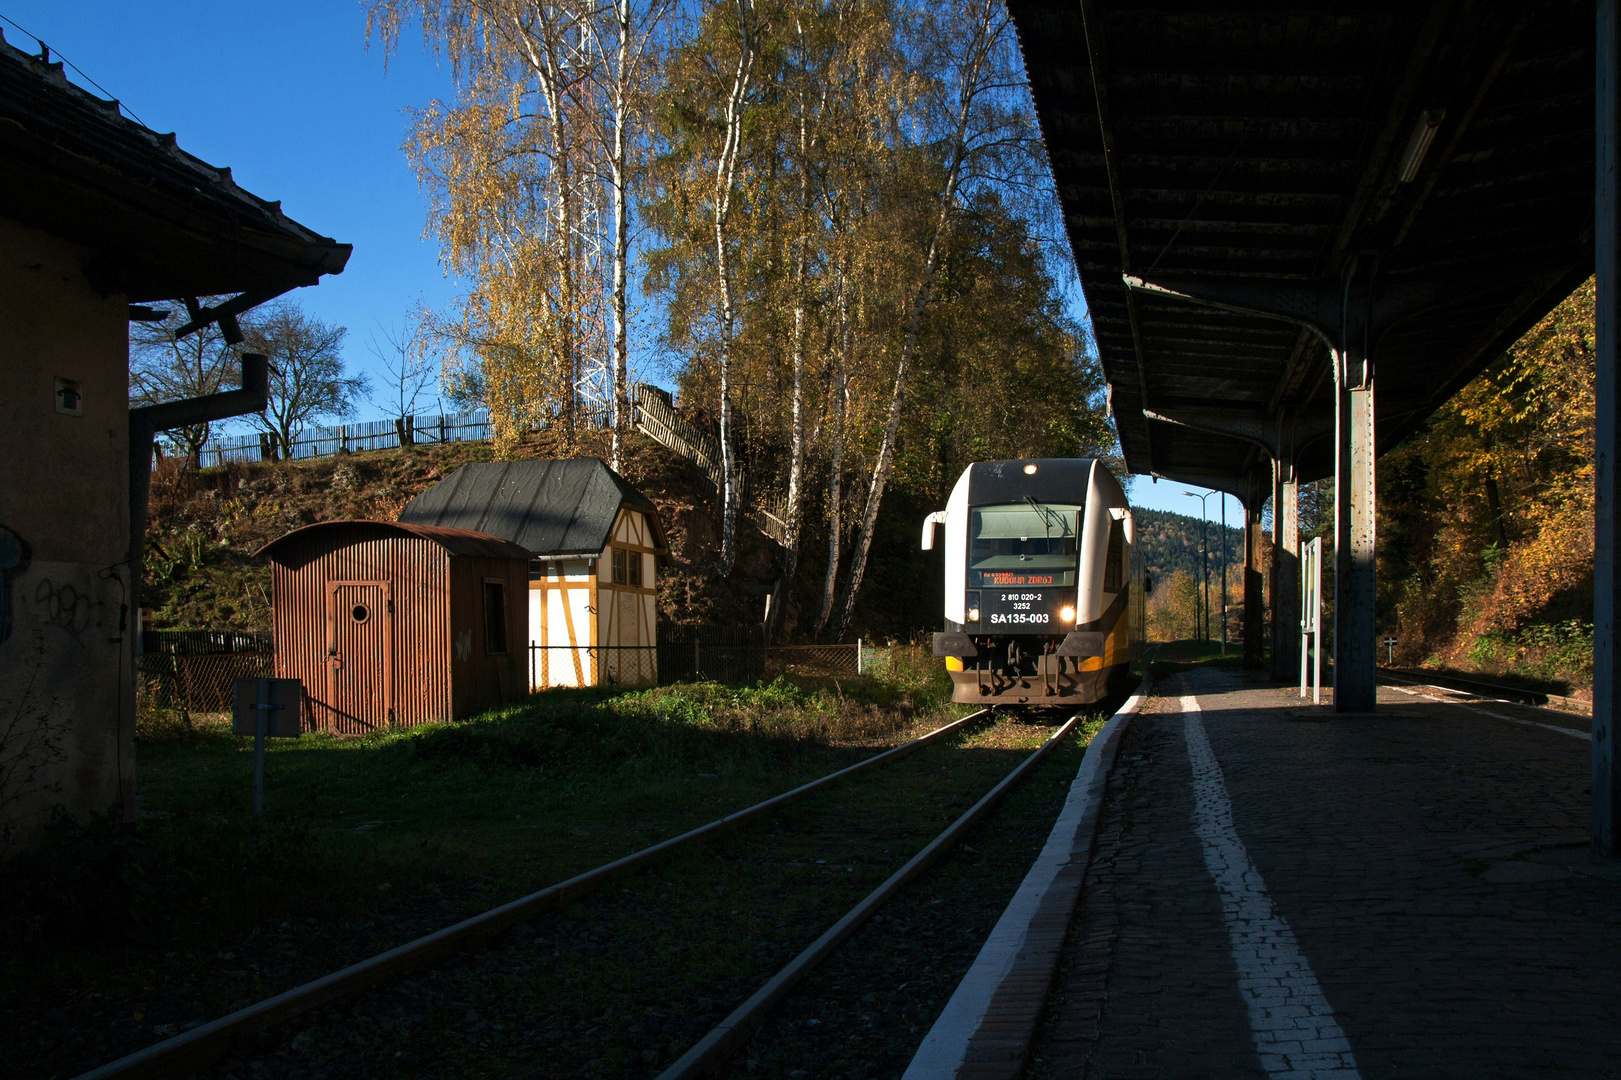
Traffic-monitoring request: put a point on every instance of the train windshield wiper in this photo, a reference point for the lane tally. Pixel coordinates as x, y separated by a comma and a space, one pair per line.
1049, 517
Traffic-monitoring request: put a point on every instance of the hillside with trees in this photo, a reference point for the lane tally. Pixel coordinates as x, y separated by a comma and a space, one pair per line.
207, 524
1486, 515
831, 225
832, 221
1171, 542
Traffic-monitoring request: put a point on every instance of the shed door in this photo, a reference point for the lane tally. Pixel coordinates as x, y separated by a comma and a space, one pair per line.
359, 622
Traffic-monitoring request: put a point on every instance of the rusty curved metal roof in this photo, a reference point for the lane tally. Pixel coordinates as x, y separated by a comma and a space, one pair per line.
1261, 157
549, 507
163, 223
339, 533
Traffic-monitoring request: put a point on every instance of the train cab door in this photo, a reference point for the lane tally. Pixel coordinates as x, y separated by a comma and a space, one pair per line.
359, 622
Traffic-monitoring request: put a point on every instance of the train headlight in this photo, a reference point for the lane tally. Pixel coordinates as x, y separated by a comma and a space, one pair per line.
1030, 470
1067, 614
973, 614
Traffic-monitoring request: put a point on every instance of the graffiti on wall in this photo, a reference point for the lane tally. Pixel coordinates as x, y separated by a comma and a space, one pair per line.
13, 561
65, 607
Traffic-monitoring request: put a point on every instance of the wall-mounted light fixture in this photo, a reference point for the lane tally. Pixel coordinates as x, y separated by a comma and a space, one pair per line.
68, 398
1418, 143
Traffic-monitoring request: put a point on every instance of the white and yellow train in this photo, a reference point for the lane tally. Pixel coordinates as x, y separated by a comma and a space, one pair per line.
1045, 591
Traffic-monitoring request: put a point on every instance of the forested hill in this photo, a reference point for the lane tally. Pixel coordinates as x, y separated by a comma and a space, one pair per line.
1170, 542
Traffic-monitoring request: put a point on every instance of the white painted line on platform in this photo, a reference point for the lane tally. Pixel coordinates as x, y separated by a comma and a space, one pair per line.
1588, 735
1293, 1027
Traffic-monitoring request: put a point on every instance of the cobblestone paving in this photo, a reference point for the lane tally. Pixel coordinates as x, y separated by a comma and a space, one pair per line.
1430, 861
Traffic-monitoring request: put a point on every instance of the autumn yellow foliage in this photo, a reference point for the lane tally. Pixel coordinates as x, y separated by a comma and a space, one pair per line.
1487, 513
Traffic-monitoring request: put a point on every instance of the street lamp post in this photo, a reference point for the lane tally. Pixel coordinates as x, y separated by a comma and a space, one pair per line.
1204, 565
1224, 573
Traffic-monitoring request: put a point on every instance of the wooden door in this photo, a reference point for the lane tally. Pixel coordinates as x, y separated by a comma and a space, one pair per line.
360, 653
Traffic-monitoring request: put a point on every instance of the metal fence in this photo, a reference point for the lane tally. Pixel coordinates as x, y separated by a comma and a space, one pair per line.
193, 683
193, 671
189, 642
694, 659
386, 434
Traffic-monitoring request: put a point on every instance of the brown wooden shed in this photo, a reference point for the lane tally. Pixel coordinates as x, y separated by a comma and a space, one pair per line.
394, 625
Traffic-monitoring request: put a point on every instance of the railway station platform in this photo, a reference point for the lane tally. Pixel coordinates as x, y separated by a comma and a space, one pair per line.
1278, 890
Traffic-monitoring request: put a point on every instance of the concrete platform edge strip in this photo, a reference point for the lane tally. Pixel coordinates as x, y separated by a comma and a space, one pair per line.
986, 1027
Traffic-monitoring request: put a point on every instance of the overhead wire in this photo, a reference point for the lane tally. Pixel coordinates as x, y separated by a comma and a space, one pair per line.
45, 50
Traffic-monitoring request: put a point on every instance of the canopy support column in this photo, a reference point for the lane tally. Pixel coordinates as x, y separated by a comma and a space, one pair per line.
1254, 560
1354, 534
1285, 598
1606, 806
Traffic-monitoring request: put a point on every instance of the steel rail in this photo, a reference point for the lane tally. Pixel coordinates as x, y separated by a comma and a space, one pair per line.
198, 1047
715, 1047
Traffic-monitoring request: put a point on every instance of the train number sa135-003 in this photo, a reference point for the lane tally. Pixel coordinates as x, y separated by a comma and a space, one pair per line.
1020, 603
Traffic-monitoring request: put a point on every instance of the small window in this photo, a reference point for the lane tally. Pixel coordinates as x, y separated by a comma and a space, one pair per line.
1114, 567
619, 566
634, 559
495, 618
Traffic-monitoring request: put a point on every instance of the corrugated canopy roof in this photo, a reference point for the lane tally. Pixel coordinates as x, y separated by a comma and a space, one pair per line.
164, 223
1271, 158
455, 541
560, 507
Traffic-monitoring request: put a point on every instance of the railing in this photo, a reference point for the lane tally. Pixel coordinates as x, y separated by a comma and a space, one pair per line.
191, 642
657, 419
653, 414
474, 426
348, 438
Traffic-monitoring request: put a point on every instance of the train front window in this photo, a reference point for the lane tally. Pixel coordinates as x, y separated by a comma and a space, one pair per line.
1026, 543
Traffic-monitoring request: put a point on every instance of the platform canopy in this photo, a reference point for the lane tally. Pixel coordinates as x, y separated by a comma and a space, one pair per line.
1415, 179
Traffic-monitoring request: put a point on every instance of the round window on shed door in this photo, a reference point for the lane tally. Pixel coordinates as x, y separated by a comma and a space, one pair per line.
360, 613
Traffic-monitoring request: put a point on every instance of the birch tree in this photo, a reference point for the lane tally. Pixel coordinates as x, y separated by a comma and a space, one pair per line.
623, 36
510, 169
720, 211
977, 73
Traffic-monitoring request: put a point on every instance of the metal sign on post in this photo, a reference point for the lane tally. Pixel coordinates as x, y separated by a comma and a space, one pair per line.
266, 708
1311, 616
1390, 650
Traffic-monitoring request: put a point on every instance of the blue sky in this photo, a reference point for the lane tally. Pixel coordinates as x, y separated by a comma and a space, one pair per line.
290, 97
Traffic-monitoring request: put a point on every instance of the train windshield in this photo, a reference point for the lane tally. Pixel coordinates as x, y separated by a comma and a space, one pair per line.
1028, 543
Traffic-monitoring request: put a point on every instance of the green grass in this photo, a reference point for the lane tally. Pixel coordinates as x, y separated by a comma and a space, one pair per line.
488, 809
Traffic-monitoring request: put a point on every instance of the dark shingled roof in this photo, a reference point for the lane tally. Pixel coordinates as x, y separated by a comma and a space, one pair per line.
455, 541
565, 507
164, 224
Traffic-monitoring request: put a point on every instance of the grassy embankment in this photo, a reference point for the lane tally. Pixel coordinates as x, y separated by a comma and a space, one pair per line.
398, 833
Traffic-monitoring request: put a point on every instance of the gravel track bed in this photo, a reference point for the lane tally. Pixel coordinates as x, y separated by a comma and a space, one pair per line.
623, 982
865, 1010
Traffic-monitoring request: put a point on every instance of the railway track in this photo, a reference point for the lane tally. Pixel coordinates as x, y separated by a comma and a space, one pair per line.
1490, 691
621, 982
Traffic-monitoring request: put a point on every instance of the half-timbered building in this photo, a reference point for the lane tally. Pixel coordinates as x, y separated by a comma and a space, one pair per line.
595, 542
